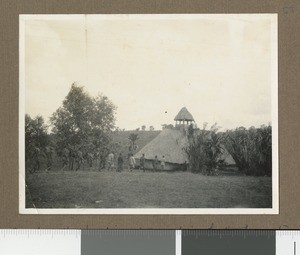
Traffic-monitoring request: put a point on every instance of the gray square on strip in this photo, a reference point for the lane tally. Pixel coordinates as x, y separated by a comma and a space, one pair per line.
128, 242
228, 242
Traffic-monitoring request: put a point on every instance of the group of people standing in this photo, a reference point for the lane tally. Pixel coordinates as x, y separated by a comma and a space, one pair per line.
156, 163
159, 164
120, 162
74, 159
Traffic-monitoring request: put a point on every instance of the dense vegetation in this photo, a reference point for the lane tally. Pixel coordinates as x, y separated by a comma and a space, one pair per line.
250, 148
204, 149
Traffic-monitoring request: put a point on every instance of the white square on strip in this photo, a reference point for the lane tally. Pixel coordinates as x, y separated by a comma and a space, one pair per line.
37, 242
287, 242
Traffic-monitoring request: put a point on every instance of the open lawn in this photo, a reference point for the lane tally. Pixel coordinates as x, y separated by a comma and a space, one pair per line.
90, 189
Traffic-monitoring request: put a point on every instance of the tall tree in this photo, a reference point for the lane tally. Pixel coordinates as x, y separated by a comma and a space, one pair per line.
82, 119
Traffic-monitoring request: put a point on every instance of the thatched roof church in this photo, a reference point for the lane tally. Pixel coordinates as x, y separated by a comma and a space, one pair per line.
171, 144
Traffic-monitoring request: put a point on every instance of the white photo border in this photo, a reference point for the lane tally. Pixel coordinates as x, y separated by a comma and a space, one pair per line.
155, 211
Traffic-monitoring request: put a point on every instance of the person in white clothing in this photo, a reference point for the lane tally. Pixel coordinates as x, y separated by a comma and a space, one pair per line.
131, 162
111, 161
163, 163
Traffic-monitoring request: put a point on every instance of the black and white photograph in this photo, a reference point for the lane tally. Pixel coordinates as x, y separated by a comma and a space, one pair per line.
148, 114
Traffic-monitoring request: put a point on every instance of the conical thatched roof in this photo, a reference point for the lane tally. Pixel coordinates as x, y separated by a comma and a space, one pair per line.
184, 114
169, 143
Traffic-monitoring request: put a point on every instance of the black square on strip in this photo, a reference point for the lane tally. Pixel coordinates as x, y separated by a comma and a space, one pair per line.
228, 242
128, 242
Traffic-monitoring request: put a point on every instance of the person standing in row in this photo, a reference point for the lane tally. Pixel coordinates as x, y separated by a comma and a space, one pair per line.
90, 158
111, 161
120, 163
65, 158
103, 154
163, 163
142, 162
155, 164
131, 162
72, 156
79, 159
49, 157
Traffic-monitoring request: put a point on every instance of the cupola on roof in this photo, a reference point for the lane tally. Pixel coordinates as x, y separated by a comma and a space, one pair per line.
184, 114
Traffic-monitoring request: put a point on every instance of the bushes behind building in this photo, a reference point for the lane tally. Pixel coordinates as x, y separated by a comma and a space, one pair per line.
251, 149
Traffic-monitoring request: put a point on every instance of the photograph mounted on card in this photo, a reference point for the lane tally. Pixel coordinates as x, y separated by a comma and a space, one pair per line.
148, 114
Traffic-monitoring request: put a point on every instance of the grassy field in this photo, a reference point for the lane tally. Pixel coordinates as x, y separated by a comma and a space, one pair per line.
91, 189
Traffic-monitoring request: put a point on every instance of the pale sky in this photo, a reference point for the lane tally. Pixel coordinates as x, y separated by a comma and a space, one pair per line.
218, 66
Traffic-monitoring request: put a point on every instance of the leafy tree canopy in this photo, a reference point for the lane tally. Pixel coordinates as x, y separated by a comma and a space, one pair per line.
83, 119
